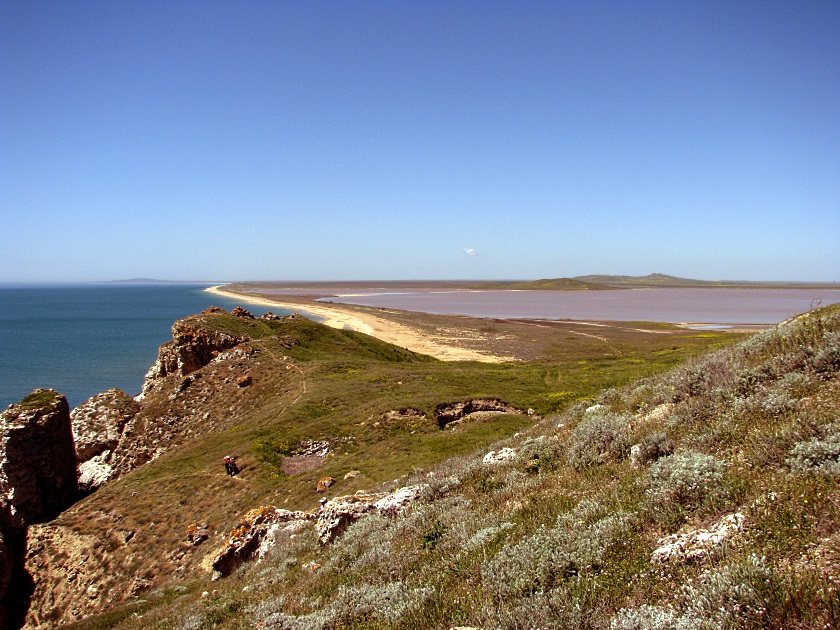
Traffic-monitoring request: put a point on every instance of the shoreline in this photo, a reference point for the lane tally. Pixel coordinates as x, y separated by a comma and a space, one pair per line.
382, 328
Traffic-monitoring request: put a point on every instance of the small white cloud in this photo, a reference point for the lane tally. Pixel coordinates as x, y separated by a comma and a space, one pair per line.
469, 251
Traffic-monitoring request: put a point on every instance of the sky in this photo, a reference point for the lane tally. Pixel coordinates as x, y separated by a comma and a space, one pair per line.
291, 140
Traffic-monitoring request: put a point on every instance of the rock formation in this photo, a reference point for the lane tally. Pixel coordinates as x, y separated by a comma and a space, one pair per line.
244, 541
37, 481
37, 458
454, 412
193, 346
336, 515
257, 530
99, 421
98, 425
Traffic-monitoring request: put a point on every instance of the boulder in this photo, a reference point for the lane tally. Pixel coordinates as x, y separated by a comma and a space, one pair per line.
324, 483
238, 311
99, 421
505, 454
95, 472
336, 515
699, 543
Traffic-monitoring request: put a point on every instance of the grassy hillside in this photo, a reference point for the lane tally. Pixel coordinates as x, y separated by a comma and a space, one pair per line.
313, 383
743, 442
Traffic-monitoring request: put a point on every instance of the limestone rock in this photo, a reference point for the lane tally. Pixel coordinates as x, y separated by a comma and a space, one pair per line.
37, 481
37, 458
238, 311
193, 346
324, 483
99, 421
699, 543
336, 515
245, 540
95, 472
453, 412
497, 457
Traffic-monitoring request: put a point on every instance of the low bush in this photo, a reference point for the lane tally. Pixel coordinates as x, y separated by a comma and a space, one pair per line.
680, 484
647, 617
651, 449
549, 556
819, 454
597, 440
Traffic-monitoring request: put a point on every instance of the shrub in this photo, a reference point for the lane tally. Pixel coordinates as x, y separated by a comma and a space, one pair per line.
597, 440
651, 448
819, 454
827, 358
682, 483
551, 555
647, 617
736, 596
538, 453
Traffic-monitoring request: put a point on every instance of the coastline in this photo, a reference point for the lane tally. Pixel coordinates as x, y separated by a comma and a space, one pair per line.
337, 316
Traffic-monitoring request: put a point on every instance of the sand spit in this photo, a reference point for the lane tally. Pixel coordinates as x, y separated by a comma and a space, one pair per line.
382, 328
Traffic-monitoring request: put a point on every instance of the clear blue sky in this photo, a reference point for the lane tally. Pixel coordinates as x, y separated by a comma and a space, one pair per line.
419, 140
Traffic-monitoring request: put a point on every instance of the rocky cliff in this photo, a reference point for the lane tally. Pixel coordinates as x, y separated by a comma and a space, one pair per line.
98, 426
192, 347
37, 481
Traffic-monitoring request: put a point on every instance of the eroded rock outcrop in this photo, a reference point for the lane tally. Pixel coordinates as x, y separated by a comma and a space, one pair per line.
258, 529
37, 458
336, 515
37, 481
699, 543
245, 540
453, 412
193, 346
99, 421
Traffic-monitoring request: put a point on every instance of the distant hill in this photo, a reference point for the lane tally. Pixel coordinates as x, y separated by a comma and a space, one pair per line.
651, 280
550, 284
663, 280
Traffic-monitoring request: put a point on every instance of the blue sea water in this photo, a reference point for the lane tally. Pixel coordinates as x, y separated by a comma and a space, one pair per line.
84, 339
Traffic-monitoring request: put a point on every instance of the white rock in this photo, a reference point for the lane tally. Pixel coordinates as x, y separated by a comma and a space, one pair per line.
698, 543
503, 455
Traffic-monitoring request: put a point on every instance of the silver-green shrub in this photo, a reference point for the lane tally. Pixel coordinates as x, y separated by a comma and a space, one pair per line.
819, 454
597, 440
647, 617
681, 483
549, 556
651, 448
736, 596
353, 606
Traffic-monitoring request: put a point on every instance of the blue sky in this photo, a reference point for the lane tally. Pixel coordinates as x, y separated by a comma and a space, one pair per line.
419, 140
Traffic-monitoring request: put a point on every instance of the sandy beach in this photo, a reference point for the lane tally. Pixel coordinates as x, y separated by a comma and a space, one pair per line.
392, 332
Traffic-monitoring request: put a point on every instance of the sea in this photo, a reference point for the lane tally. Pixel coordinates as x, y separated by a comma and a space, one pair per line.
83, 339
